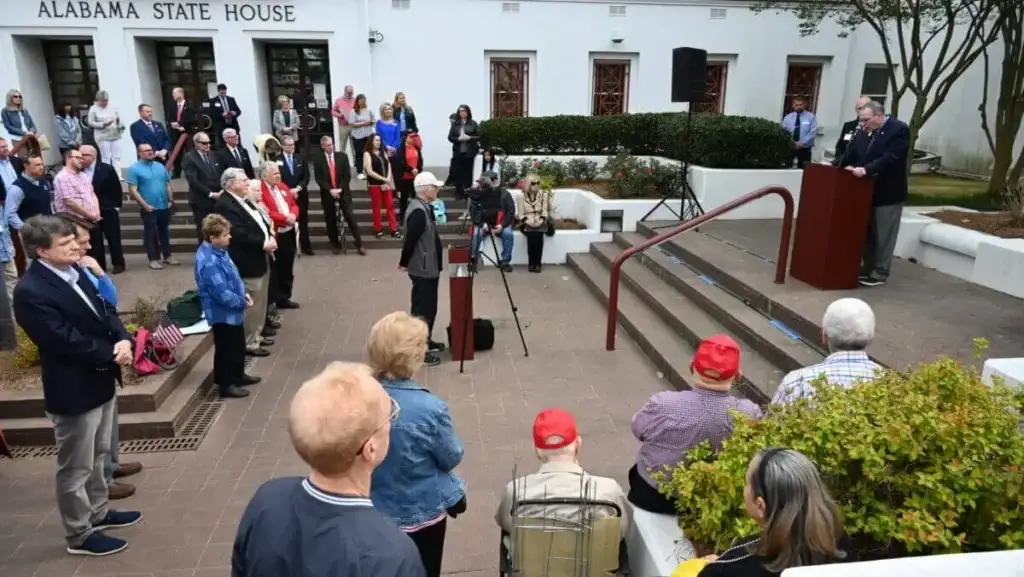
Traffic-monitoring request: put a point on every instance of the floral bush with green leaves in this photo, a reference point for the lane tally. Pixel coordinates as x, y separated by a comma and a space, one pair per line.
581, 170
926, 461
631, 177
26, 353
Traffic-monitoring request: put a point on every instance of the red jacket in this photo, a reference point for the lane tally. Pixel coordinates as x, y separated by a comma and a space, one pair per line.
279, 219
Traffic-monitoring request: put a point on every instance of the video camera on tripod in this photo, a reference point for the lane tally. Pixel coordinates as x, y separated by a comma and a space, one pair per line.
485, 201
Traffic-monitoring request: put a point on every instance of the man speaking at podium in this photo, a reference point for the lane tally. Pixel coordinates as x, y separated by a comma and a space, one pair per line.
879, 151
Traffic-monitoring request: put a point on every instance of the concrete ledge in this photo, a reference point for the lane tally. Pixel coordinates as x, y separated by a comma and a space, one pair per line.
994, 564
1010, 371
656, 544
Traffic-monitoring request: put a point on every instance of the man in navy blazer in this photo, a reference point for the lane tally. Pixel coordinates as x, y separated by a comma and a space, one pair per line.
145, 130
82, 346
880, 151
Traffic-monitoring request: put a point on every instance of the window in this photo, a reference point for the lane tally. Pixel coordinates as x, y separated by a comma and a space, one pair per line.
875, 82
510, 87
611, 87
191, 67
71, 67
714, 96
803, 80
294, 70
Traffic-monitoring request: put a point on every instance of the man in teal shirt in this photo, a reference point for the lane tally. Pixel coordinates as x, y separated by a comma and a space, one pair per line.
150, 185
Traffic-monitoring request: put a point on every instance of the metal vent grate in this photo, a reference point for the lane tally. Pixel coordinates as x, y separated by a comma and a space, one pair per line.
718, 13
510, 7
400, 4
617, 11
201, 420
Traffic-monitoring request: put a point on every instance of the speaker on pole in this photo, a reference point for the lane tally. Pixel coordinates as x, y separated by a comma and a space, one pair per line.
689, 74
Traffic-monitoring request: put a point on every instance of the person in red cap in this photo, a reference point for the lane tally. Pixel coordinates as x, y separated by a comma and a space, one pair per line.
673, 422
560, 476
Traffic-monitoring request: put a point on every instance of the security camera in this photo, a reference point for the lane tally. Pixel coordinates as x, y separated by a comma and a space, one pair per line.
374, 37
617, 39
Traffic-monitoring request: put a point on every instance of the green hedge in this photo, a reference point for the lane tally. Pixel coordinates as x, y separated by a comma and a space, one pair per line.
717, 141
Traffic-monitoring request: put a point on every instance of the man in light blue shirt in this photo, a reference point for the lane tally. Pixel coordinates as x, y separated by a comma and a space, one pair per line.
149, 183
803, 126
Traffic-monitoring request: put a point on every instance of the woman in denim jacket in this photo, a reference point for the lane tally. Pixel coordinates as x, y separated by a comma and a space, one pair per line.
415, 485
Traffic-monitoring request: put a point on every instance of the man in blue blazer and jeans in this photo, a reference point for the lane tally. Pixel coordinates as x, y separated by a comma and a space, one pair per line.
82, 346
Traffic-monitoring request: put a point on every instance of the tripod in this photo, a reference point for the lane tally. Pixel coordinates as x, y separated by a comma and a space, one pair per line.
467, 313
689, 206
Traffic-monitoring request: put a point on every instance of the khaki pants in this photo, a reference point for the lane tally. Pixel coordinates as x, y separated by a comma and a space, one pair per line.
10, 274
256, 315
344, 139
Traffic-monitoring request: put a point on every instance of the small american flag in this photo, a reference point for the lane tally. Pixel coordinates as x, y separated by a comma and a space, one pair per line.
169, 336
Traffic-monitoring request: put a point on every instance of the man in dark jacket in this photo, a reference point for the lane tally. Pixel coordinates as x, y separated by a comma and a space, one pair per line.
107, 185
422, 256
494, 213
202, 170
849, 130
880, 152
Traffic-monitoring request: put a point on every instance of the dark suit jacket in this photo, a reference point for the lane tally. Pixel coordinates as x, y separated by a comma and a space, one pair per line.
189, 117
157, 137
107, 185
217, 113
19, 167
227, 160
342, 171
300, 177
845, 135
247, 237
201, 178
884, 158
76, 345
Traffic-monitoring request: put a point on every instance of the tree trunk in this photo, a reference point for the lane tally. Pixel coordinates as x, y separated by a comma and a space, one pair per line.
1017, 172
916, 120
1002, 160
8, 337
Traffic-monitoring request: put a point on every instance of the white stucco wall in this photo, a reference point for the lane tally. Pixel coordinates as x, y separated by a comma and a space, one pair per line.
439, 70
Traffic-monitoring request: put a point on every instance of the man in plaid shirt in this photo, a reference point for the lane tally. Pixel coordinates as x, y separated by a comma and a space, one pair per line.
847, 329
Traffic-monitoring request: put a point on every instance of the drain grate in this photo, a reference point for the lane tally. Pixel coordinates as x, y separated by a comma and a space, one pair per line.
190, 443
32, 452
201, 420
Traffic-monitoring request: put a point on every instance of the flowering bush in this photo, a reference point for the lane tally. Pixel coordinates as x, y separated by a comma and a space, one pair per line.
581, 170
630, 177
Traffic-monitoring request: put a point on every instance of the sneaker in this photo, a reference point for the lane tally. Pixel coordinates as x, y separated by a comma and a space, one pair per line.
172, 261
116, 519
505, 266
360, 176
99, 545
435, 347
871, 282
431, 360
155, 265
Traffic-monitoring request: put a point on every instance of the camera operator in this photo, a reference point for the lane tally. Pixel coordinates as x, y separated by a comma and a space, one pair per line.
493, 210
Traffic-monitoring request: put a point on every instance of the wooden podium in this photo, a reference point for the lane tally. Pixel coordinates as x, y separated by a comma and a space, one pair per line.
831, 227
460, 305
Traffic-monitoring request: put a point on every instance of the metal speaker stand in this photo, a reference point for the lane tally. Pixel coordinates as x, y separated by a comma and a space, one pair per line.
689, 206
508, 292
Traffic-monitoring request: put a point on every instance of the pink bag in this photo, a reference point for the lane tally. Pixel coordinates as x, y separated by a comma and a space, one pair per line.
152, 355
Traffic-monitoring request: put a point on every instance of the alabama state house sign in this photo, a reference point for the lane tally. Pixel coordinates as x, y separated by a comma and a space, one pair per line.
196, 11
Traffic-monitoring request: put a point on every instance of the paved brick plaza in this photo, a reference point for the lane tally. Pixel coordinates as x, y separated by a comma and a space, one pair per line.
192, 500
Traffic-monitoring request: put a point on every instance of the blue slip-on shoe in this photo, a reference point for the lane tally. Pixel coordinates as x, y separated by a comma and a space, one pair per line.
117, 519
99, 545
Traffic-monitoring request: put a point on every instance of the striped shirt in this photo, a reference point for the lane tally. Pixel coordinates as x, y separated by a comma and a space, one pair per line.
843, 368
76, 187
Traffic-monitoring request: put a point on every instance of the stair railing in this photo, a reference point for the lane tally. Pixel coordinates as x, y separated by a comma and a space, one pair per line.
780, 265
178, 147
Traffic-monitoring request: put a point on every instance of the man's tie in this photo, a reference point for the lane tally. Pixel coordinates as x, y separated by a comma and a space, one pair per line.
224, 102
206, 159
238, 156
796, 128
291, 164
150, 126
330, 168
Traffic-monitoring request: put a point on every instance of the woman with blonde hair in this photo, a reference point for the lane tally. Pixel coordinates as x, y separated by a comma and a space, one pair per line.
16, 118
800, 524
106, 129
415, 485
361, 119
404, 115
533, 209
286, 120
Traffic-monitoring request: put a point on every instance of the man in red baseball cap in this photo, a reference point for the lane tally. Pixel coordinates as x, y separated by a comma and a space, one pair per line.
558, 445
673, 422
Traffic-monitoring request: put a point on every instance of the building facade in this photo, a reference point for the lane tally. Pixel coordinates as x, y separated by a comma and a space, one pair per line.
531, 57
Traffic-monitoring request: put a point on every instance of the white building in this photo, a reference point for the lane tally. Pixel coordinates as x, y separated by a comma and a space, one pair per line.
532, 57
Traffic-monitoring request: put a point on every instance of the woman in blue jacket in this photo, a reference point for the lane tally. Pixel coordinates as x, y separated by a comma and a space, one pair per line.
415, 485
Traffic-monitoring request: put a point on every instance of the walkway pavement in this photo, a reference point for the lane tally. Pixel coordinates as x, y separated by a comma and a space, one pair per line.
192, 500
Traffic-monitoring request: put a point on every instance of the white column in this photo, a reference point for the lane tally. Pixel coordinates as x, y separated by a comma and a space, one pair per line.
234, 52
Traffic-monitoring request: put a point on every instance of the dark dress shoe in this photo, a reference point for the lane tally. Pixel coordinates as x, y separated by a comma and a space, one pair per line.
249, 380
257, 353
435, 347
118, 269
233, 392
335, 250
287, 304
361, 251
268, 333
271, 324
266, 342
308, 252
431, 360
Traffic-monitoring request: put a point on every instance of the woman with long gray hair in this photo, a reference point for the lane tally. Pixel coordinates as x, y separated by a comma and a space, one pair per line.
799, 521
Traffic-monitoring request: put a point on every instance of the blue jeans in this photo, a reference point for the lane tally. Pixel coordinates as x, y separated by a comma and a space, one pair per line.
508, 240
156, 227
115, 440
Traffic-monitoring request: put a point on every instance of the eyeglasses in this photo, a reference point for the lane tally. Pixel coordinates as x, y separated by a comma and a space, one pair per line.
202, 142
392, 416
16, 96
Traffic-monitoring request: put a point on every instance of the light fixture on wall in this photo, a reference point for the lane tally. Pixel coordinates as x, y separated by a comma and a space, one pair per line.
617, 38
374, 37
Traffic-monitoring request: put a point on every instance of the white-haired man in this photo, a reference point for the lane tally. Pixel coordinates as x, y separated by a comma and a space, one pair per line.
558, 445
325, 523
234, 155
847, 329
422, 256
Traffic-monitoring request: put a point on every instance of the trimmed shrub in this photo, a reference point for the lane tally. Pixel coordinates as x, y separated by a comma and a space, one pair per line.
581, 170
26, 353
716, 141
923, 462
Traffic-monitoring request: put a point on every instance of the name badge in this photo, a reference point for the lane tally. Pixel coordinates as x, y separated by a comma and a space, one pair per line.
280, 163
848, 136
217, 104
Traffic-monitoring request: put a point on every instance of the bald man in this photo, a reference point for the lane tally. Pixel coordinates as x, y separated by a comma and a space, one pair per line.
106, 183
325, 523
849, 129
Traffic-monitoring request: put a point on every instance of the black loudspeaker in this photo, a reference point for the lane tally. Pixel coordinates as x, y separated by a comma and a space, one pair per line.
689, 74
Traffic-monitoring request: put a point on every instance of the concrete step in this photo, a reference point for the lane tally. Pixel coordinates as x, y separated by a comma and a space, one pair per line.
317, 228
187, 244
768, 337
131, 216
688, 320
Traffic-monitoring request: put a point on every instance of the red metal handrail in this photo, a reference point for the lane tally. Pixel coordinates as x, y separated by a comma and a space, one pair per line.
780, 266
178, 146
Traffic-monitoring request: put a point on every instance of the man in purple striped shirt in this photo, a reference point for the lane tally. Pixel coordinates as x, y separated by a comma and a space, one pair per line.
673, 422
